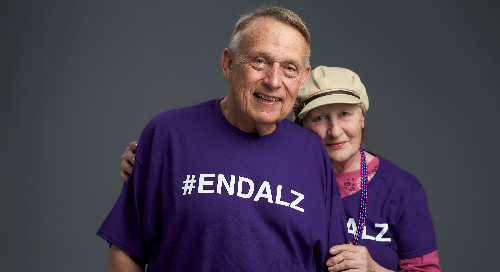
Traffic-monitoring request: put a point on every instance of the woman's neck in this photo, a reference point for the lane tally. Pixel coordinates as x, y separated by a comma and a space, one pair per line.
351, 164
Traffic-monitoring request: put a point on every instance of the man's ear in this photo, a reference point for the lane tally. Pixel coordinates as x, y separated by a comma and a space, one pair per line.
304, 78
226, 61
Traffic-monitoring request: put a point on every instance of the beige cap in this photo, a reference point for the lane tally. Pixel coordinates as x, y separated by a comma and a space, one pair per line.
330, 85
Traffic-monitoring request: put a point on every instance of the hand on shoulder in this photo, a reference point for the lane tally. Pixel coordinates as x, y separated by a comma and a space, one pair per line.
127, 161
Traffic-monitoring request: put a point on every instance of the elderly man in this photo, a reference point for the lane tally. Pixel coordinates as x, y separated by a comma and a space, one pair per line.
220, 186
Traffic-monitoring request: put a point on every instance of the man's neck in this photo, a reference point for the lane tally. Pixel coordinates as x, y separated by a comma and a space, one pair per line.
242, 123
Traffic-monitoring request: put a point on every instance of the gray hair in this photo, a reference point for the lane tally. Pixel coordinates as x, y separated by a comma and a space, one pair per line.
278, 13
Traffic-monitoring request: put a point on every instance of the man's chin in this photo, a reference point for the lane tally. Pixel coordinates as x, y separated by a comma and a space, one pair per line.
268, 119
269, 115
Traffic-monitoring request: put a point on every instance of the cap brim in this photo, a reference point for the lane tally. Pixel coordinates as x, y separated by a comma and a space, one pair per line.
329, 99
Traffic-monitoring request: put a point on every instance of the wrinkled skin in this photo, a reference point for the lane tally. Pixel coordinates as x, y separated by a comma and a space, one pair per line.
339, 126
352, 258
266, 75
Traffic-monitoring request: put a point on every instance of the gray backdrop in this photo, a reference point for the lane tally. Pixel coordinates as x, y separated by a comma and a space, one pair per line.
80, 80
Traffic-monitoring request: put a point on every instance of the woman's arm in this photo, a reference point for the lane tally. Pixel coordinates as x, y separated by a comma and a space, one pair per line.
128, 160
428, 263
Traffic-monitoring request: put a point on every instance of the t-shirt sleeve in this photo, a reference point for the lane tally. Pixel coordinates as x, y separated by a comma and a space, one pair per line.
129, 225
414, 232
123, 227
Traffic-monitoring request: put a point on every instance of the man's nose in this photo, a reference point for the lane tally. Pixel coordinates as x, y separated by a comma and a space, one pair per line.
273, 77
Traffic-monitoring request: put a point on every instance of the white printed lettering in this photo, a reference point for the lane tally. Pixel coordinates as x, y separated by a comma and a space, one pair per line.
296, 201
278, 197
206, 183
264, 187
202, 182
351, 226
189, 184
384, 227
240, 187
366, 236
229, 187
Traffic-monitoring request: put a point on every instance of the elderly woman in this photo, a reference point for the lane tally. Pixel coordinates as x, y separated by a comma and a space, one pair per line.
392, 228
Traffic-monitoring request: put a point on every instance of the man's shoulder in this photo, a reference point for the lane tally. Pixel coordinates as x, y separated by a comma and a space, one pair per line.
300, 135
184, 114
305, 145
173, 125
177, 120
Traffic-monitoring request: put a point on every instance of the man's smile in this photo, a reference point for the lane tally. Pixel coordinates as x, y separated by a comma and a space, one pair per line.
266, 98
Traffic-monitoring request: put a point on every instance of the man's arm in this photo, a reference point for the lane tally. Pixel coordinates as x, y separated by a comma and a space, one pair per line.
121, 261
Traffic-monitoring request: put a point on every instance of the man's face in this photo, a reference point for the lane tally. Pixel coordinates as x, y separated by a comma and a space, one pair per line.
268, 72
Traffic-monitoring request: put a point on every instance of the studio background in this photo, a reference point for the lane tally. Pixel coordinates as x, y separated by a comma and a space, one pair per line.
80, 80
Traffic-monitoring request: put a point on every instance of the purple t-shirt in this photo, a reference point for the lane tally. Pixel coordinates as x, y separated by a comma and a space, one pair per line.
205, 196
398, 222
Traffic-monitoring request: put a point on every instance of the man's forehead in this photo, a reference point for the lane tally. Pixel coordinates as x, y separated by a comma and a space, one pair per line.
266, 24
268, 32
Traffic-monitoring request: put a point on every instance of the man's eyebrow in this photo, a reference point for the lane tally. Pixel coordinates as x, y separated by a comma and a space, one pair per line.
266, 56
259, 54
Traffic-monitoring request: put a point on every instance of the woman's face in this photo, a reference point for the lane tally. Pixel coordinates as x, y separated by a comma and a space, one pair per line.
339, 126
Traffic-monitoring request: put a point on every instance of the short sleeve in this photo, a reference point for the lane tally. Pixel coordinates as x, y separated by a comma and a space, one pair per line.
129, 225
123, 226
414, 232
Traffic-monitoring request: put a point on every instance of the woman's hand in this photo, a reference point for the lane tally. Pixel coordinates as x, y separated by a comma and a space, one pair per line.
352, 258
128, 160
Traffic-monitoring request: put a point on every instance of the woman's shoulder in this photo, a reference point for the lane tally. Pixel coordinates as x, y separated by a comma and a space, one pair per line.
396, 177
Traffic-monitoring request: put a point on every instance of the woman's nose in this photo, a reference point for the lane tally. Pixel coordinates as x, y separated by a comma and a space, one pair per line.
334, 128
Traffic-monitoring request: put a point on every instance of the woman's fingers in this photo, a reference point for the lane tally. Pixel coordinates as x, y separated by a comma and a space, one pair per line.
127, 161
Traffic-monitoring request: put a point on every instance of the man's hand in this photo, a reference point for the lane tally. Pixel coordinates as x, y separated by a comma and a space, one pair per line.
352, 258
121, 261
128, 160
